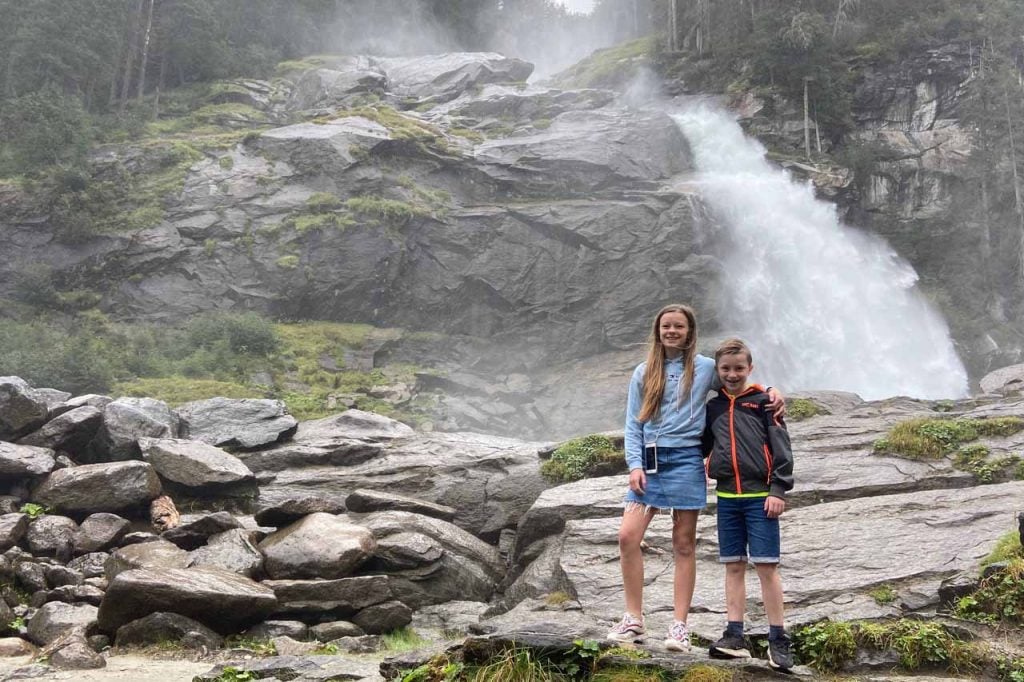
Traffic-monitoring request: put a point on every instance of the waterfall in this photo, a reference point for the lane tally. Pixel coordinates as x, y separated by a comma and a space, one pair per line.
822, 305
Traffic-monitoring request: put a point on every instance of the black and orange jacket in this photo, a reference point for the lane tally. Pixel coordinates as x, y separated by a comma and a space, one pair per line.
747, 446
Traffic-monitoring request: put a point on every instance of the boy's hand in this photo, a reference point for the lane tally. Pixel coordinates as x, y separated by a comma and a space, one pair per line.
774, 506
776, 402
638, 481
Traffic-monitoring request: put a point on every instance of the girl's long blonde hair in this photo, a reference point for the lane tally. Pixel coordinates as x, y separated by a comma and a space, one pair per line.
654, 373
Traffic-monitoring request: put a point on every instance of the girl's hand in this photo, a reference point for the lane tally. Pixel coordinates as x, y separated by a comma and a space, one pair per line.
777, 402
637, 481
774, 506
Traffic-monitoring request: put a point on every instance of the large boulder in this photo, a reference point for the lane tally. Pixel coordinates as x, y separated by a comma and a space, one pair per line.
231, 550
22, 408
12, 529
125, 421
23, 461
157, 555
1004, 381
224, 601
106, 487
443, 77
195, 529
99, 532
332, 147
429, 561
337, 82
490, 481
161, 628
197, 467
319, 546
51, 534
582, 150
70, 432
230, 423
318, 600
56, 618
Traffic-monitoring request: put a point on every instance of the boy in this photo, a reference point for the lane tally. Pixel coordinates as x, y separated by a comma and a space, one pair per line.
748, 453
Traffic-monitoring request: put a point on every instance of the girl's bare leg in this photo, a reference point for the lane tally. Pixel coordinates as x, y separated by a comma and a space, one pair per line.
634, 524
684, 544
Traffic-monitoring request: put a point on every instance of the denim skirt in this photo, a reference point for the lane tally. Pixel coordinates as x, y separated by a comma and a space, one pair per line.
679, 484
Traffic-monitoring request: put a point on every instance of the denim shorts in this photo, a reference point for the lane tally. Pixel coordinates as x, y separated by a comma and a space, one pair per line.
679, 484
743, 523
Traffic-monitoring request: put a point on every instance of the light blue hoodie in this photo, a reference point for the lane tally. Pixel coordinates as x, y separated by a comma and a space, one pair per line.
679, 424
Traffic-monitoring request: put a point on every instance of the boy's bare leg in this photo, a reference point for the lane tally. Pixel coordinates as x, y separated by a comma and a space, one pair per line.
771, 592
631, 533
684, 545
736, 590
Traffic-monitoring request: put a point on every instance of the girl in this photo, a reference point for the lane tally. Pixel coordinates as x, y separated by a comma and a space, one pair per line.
664, 422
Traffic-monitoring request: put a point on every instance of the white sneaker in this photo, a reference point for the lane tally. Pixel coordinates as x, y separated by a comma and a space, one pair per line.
678, 638
630, 629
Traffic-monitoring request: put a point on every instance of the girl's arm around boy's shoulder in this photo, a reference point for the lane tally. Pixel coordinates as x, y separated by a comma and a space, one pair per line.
782, 454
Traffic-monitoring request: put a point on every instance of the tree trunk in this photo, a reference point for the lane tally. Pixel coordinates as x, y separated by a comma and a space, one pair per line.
146, 35
129, 59
1018, 203
807, 124
160, 81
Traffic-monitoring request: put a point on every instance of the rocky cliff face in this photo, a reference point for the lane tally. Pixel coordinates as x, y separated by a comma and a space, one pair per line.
535, 228
908, 171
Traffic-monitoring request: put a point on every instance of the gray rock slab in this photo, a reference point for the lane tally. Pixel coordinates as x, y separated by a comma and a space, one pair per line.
584, 149
231, 423
431, 561
51, 534
323, 598
22, 408
224, 601
289, 510
156, 555
158, 628
56, 618
125, 420
105, 487
833, 555
318, 546
195, 466
491, 481
232, 551
18, 461
386, 617
12, 529
269, 629
444, 77
1004, 381
70, 432
325, 632
334, 85
195, 529
372, 500
89, 399
301, 669
332, 147
99, 532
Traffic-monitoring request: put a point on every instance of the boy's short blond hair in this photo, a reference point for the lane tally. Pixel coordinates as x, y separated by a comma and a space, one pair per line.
733, 346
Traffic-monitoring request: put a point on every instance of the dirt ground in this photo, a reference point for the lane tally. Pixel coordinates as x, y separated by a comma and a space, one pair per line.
120, 668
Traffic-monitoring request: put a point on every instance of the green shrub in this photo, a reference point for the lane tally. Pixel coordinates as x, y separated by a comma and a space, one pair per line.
1001, 596
582, 457
403, 639
799, 409
883, 594
826, 646
34, 511
919, 644
927, 438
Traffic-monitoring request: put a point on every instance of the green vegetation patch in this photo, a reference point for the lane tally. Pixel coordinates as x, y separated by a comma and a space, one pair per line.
177, 390
799, 409
975, 460
580, 458
608, 66
999, 597
827, 646
883, 594
935, 438
403, 639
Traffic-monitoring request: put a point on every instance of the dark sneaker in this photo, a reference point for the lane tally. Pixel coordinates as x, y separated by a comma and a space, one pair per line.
729, 646
780, 654
629, 629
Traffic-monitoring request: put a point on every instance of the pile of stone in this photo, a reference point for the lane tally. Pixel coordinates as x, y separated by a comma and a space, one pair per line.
96, 552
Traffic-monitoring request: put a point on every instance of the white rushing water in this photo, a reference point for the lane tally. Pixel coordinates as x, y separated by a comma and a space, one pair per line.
822, 305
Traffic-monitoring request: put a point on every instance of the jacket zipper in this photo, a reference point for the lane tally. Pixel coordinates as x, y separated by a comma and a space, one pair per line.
732, 442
